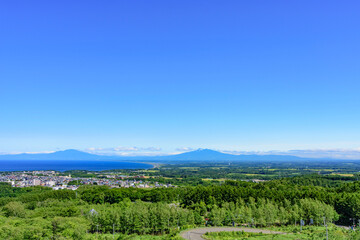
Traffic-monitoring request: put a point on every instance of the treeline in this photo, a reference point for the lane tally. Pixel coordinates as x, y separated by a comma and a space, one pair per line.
188, 181
331, 181
344, 199
141, 217
154, 218
264, 212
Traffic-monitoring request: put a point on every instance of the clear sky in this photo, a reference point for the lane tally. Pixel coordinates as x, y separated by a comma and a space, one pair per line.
165, 75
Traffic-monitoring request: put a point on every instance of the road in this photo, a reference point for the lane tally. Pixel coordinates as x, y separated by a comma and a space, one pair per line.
196, 234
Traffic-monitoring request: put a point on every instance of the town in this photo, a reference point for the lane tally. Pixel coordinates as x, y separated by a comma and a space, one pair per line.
57, 181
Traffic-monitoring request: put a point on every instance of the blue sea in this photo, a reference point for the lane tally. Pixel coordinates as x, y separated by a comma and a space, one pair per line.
64, 165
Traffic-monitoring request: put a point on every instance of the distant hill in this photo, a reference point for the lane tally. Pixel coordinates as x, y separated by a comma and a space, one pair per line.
201, 154
69, 154
197, 155
211, 155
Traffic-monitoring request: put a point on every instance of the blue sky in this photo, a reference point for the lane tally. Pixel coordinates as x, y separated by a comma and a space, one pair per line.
161, 76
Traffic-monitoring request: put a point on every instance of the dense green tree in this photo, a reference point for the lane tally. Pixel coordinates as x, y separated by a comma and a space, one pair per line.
14, 209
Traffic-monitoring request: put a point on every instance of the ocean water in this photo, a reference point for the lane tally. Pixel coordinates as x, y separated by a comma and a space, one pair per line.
63, 165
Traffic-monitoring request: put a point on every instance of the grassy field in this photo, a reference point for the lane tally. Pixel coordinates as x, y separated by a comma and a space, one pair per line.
218, 179
293, 233
150, 171
343, 174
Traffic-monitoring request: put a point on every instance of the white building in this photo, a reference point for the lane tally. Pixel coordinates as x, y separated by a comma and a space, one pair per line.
50, 183
36, 182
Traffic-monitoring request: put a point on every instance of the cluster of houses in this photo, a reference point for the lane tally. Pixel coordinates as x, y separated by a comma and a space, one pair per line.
55, 181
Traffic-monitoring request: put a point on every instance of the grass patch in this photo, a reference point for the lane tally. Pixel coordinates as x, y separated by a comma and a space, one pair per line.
217, 179
247, 235
343, 174
293, 233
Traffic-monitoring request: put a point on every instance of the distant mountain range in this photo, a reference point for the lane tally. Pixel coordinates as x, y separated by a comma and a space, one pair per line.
197, 155
211, 155
69, 154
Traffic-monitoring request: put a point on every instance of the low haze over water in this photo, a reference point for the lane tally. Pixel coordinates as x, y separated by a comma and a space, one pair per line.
58, 165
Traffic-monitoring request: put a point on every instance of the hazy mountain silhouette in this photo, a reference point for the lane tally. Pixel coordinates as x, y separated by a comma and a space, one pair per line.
212, 155
69, 154
197, 155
